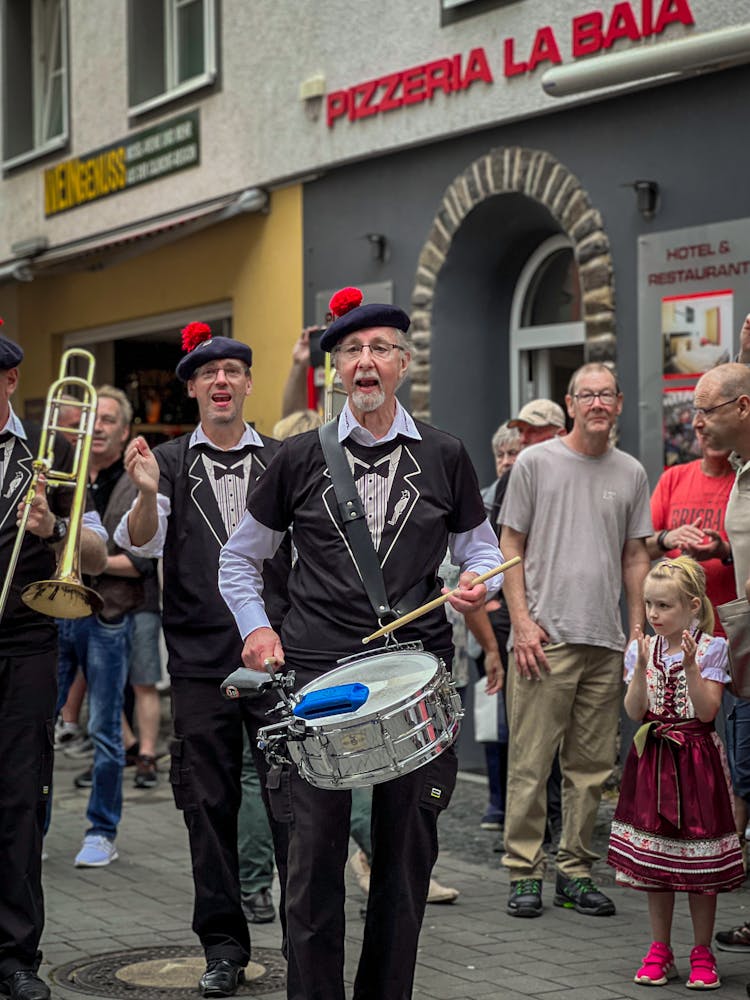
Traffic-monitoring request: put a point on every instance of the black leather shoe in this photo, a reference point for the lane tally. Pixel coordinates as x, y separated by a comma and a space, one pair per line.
525, 898
582, 895
221, 978
24, 985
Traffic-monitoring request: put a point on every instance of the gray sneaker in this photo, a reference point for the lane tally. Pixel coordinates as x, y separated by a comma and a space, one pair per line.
67, 734
258, 907
80, 748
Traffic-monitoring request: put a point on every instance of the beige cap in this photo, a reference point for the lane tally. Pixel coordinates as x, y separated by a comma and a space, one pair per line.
540, 413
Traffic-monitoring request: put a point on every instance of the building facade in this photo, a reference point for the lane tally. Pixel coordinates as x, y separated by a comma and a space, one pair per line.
536, 186
130, 204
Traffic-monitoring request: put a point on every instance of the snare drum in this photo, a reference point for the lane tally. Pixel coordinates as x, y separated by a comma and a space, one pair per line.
409, 715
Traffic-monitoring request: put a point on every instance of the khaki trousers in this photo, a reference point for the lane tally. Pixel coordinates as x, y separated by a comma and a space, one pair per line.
575, 707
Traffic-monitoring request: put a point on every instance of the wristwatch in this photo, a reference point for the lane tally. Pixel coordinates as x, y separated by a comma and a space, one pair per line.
660, 540
59, 532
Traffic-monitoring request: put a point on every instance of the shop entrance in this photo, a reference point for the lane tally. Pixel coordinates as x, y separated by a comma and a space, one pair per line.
140, 357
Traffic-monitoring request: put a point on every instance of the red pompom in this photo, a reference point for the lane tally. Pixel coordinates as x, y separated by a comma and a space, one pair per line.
194, 334
2, 321
344, 301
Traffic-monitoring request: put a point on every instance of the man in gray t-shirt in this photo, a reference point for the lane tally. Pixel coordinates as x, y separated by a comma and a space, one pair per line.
577, 511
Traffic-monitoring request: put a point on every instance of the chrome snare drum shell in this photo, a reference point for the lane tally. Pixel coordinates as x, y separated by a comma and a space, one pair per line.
412, 714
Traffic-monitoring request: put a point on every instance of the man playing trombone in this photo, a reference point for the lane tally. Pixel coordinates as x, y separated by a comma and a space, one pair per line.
28, 679
419, 494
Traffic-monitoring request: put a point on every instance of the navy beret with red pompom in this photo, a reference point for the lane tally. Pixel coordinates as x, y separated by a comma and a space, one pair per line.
11, 355
202, 347
351, 316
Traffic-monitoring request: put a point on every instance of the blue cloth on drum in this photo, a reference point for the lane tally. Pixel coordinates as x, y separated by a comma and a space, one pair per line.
332, 701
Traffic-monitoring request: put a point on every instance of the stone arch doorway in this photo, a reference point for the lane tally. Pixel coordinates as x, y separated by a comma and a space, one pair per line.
491, 219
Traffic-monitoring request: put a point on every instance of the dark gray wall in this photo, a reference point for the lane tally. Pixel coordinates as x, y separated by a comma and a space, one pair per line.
689, 137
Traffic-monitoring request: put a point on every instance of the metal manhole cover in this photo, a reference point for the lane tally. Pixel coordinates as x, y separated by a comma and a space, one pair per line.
169, 972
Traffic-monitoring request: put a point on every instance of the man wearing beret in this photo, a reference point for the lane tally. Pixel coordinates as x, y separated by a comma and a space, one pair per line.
28, 682
419, 494
192, 494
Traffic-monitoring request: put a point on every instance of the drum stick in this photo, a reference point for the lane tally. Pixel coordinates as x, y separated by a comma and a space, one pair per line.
431, 605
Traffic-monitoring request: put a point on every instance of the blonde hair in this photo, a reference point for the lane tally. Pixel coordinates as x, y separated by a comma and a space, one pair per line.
690, 579
296, 423
126, 410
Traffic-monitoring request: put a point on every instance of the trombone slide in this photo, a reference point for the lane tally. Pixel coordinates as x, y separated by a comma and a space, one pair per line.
64, 596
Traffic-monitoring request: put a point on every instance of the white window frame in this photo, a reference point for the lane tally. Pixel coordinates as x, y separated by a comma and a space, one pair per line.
173, 89
42, 83
214, 312
536, 338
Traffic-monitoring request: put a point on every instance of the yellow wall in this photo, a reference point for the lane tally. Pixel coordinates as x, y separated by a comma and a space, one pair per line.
253, 260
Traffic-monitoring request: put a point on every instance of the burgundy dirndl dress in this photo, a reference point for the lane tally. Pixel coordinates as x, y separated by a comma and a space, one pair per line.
674, 829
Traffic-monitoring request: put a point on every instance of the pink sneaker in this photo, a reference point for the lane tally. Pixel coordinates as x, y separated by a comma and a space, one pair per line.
658, 966
703, 971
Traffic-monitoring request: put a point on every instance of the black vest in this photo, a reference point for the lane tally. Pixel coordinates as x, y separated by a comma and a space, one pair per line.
200, 633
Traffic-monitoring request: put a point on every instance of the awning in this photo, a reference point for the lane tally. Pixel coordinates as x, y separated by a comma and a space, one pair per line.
116, 245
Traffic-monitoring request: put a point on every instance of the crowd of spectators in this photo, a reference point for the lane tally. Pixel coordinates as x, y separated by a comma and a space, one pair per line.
577, 511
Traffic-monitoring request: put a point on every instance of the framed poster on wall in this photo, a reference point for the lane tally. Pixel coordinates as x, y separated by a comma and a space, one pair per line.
693, 291
697, 333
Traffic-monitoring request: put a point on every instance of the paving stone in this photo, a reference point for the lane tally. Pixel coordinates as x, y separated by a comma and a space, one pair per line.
471, 950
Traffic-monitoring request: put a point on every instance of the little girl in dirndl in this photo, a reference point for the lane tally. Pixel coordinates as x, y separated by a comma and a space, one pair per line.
673, 829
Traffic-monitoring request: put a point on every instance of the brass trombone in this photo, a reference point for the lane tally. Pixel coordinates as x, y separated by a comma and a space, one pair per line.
330, 388
65, 595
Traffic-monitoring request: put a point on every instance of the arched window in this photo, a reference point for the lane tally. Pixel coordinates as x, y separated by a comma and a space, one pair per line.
546, 332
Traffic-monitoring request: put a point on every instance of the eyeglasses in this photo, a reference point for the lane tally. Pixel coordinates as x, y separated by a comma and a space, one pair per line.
231, 372
378, 349
586, 397
703, 411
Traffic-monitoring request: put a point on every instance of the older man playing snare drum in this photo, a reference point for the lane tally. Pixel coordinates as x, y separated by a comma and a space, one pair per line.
419, 493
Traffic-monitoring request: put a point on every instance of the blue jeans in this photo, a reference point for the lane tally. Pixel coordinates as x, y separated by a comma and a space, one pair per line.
101, 649
738, 746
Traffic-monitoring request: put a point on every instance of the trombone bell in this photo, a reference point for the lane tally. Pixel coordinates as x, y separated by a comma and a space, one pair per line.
62, 598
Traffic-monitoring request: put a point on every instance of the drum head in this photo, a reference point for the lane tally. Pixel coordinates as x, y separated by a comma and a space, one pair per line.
391, 676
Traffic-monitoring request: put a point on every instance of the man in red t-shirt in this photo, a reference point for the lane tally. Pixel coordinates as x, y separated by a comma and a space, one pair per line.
687, 510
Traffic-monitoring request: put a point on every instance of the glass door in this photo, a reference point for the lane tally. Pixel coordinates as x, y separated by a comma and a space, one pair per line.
547, 332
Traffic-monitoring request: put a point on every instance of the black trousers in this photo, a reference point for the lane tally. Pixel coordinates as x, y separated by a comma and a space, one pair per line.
28, 691
405, 846
205, 776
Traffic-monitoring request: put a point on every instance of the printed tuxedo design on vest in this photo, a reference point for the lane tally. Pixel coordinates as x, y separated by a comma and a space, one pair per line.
36, 561
398, 492
16, 479
219, 484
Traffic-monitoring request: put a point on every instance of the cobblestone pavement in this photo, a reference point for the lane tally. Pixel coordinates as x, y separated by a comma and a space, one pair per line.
470, 950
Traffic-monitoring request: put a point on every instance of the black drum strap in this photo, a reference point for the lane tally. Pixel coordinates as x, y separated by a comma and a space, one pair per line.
360, 540
352, 514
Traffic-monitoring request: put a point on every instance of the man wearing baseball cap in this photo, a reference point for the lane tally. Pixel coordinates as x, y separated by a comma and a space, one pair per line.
539, 420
